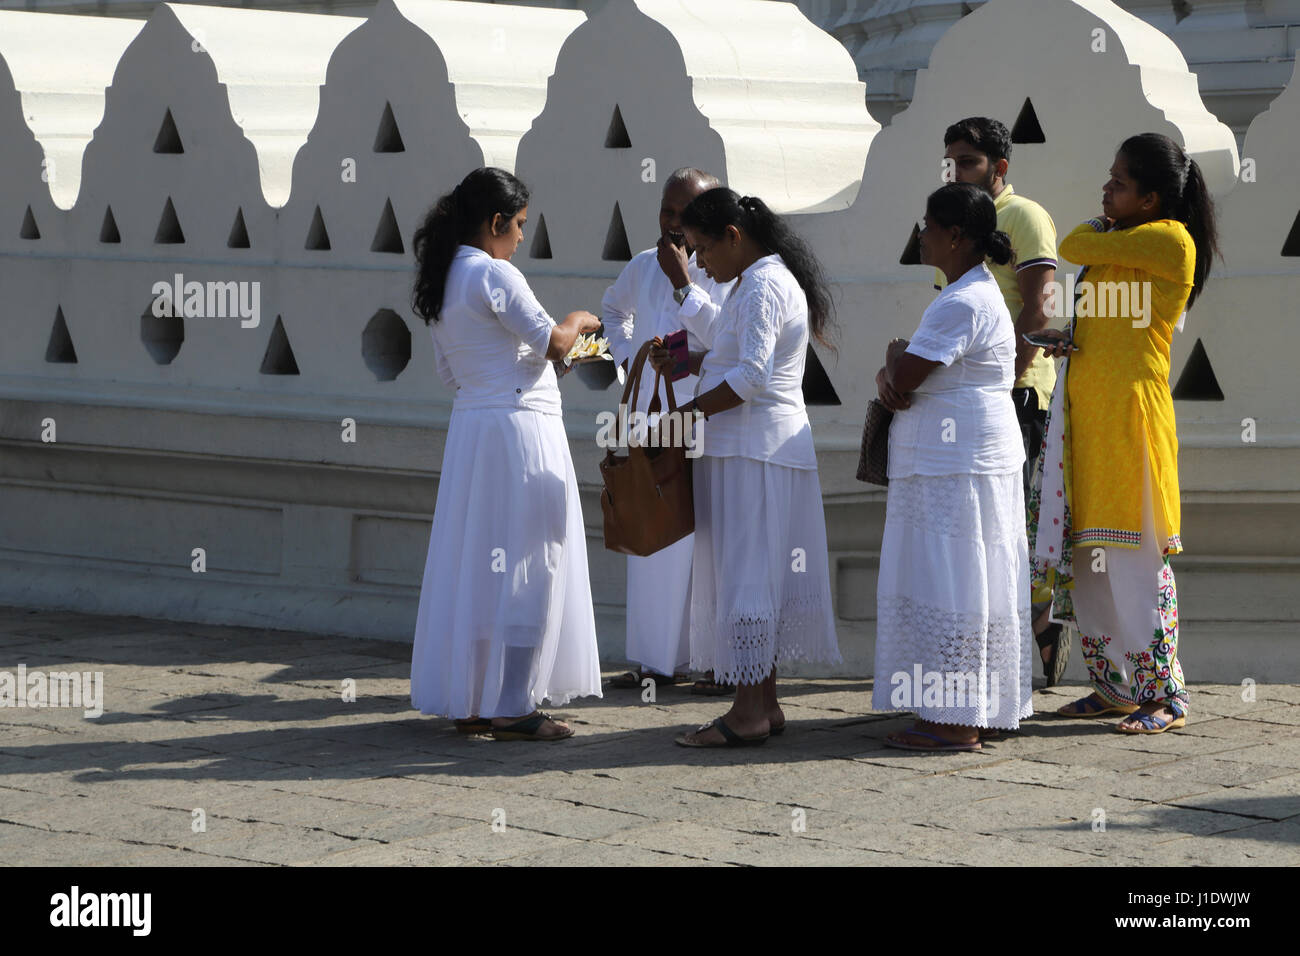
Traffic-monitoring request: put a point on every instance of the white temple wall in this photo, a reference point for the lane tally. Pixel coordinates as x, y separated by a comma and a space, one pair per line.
212, 432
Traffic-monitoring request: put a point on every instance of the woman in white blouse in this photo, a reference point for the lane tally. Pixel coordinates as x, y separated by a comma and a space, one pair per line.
952, 607
760, 585
505, 618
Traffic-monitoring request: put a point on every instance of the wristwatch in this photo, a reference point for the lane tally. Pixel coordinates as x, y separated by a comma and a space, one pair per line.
679, 295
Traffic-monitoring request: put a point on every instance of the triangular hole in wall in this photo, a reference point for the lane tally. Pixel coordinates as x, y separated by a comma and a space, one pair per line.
317, 237
168, 139
169, 227
912, 251
1027, 128
1198, 382
279, 359
541, 248
29, 230
60, 347
616, 247
817, 387
616, 137
388, 139
238, 232
108, 231
1291, 247
388, 238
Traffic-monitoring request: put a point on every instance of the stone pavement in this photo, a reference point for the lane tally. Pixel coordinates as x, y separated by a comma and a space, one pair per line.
250, 728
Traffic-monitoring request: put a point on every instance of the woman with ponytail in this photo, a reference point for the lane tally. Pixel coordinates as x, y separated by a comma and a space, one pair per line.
505, 618
760, 585
1109, 467
953, 638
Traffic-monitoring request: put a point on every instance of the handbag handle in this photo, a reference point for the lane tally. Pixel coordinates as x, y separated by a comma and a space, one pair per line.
634, 382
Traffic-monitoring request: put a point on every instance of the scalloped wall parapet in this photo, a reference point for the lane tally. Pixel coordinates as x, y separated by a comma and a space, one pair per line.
269, 109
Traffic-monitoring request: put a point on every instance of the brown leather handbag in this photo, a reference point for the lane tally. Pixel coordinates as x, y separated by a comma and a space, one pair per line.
873, 461
648, 500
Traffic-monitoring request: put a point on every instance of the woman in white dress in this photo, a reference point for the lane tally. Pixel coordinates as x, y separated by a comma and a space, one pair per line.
760, 583
953, 641
505, 618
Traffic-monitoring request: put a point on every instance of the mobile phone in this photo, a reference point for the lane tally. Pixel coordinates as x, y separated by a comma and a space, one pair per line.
676, 346
1047, 342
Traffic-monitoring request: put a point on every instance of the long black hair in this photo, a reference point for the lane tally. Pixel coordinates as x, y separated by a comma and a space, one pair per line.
454, 219
970, 209
712, 211
1157, 164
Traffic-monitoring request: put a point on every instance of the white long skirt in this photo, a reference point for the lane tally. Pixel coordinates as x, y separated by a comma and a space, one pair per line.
505, 618
760, 582
659, 607
953, 636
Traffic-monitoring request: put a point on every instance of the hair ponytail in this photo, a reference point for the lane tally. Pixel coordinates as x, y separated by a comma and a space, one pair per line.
455, 218
1157, 164
1201, 221
715, 209
997, 246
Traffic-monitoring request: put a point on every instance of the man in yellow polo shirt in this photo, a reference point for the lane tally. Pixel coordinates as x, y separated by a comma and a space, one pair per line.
978, 151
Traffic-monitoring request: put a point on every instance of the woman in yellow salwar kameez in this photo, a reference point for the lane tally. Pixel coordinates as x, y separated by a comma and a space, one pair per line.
1105, 506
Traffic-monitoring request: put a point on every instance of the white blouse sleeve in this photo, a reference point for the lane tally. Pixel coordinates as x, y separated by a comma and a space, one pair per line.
618, 313
759, 318
515, 306
697, 315
947, 330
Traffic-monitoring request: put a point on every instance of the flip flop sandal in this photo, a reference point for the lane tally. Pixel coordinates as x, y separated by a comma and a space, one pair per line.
1057, 637
666, 680
730, 737
474, 725
526, 729
1151, 724
776, 731
1092, 707
940, 743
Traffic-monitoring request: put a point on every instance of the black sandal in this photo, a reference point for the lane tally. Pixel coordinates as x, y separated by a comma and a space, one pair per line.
729, 736
1057, 638
633, 680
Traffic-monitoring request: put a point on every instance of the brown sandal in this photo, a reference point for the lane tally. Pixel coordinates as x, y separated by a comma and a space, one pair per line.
708, 687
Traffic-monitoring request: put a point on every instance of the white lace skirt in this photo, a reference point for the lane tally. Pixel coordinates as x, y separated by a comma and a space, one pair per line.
953, 637
760, 584
505, 618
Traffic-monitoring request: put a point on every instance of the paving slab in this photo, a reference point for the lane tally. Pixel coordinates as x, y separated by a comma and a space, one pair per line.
251, 728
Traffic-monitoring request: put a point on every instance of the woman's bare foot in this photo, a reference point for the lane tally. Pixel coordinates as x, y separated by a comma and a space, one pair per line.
775, 719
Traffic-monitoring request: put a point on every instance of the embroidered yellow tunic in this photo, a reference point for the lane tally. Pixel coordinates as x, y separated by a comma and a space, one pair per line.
1121, 409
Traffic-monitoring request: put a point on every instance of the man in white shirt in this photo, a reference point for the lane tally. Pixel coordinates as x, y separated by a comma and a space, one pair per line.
644, 302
